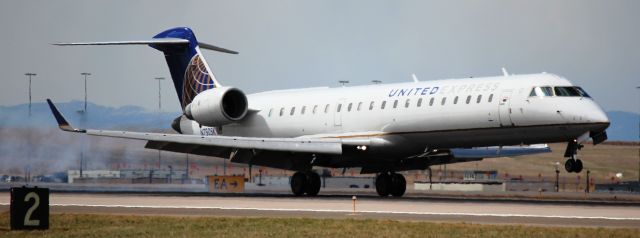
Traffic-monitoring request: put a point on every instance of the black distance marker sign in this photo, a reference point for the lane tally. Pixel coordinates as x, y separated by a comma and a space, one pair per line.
29, 208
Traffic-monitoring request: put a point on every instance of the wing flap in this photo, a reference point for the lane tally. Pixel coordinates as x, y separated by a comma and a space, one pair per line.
499, 151
322, 145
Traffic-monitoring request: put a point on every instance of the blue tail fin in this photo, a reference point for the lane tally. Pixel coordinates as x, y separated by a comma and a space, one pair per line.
189, 70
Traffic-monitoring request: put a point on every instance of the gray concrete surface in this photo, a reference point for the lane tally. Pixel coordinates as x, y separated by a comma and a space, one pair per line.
367, 207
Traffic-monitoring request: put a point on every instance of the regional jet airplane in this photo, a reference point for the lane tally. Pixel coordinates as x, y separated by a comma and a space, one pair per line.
381, 128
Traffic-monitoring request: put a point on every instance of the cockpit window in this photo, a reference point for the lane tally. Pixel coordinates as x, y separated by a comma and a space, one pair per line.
567, 92
582, 92
541, 91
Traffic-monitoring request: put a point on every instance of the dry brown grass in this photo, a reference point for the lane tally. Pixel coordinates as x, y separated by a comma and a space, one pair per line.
604, 161
74, 225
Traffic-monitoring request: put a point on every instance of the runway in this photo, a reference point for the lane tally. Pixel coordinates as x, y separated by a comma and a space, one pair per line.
341, 207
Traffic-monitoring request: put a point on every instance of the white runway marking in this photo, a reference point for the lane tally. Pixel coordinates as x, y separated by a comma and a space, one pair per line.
350, 211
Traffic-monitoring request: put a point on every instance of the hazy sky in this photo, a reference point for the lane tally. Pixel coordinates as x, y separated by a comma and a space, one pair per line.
289, 44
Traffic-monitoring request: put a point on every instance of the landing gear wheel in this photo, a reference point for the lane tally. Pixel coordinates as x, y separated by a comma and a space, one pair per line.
398, 185
383, 184
577, 166
569, 165
313, 184
298, 183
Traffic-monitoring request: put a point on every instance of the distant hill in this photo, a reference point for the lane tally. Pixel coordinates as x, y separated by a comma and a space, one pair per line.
624, 125
97, 116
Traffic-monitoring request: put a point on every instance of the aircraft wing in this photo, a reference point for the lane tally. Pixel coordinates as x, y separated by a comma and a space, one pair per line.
302, 145
499, 151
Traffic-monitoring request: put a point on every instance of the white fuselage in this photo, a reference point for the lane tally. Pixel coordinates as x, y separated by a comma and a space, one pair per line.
430, 114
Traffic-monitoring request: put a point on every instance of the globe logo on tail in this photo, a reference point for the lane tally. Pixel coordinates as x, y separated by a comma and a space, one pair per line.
196, 80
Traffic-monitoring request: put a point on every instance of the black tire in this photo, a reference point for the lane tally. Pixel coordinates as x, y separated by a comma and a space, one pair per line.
383, 184
313, 184
298, 183
398, 185
577, 166
569, 165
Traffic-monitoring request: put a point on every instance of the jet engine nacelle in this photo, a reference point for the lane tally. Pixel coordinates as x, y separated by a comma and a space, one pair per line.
217, 106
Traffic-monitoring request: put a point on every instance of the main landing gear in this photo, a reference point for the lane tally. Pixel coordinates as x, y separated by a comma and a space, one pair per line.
390, 183
305, 183
573, 164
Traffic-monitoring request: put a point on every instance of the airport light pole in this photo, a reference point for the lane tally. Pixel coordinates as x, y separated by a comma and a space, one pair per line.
557, 176
159, 110
84, 121
29, 75
28, 167
85, 74
638, 137
159, 95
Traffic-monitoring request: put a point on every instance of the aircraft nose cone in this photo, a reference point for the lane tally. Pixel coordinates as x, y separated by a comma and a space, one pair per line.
598, 116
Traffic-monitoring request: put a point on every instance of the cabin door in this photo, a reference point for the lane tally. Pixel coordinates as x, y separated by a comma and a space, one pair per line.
504, 108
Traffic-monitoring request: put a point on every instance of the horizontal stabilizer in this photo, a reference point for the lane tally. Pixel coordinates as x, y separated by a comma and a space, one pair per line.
155, 41
215, 48
135, 42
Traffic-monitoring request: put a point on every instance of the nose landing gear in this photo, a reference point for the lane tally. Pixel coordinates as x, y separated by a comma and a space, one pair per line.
573, 164
390, 183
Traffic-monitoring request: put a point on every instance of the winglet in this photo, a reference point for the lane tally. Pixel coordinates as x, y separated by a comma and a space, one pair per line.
62, 122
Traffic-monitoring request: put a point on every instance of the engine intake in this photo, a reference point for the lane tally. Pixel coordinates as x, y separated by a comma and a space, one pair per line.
218, 106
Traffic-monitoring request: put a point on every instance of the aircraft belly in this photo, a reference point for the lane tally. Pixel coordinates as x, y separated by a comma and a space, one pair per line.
498, 135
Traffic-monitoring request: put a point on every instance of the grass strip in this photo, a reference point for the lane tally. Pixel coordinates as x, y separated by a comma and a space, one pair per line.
89, 225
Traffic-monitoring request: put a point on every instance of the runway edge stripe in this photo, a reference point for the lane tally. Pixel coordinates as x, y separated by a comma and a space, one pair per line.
350, 211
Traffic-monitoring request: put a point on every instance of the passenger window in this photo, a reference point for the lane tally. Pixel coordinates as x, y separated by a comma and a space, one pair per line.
479, 99
444, 100
281, 111
315, 108
326, 109
270, 111
490, 97
339, 107
406, 104
304, 108
384, 103
395, 104
468, 99
293, 110
431, 101
349, 107
455, 100
419, 102
359, 106
371, 106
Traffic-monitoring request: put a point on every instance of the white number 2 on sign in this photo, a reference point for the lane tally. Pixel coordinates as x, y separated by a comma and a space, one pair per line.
27, 217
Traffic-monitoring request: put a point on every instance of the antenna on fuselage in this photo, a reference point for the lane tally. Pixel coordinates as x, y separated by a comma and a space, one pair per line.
415, 79
504, 72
